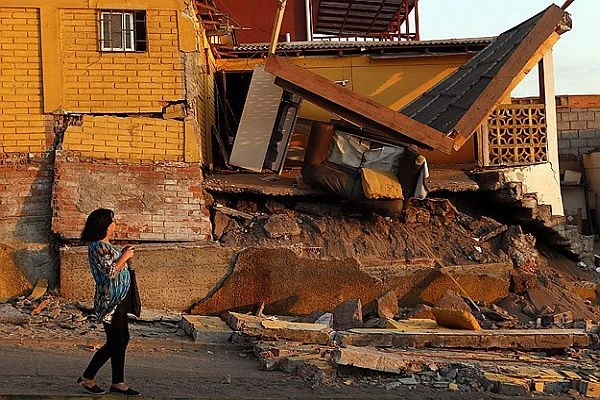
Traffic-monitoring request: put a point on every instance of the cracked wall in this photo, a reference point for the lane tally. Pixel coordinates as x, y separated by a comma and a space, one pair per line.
153, 201
123, 130
27, 247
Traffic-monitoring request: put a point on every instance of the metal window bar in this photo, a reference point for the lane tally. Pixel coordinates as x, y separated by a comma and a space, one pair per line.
117, 31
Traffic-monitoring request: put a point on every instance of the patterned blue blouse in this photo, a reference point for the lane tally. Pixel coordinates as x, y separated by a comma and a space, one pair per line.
111, 286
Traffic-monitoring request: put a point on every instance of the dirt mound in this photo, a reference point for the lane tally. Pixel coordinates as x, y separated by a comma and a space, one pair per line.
431, 229
431, 233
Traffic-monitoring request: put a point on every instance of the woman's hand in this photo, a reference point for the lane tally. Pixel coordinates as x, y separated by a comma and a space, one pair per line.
127, 252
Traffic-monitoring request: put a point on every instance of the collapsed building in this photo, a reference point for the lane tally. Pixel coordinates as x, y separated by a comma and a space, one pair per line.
139, 111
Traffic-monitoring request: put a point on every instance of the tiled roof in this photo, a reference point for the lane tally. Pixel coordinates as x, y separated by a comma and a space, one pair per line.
362, 45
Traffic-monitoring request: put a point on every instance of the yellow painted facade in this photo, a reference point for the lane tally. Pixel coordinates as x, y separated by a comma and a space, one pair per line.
136, 138
51, 65
21, 120
393, 82
112, 82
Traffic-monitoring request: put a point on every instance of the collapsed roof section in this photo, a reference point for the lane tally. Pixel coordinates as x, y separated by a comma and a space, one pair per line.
447, 115
459, 104
381, 123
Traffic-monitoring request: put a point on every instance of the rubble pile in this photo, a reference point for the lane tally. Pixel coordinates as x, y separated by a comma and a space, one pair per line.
45, 315
428, 229
421, 352
494, 311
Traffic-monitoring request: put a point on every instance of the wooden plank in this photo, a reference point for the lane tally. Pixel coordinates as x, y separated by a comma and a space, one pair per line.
383, 124
527, 54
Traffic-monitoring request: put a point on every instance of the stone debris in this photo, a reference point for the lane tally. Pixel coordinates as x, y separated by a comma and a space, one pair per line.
282, 225
40, 289
52, 317
347, 314
264, 328
387, 305
204, 329
10, 315
502, 372
452, 300
421, 311
521, 249
455, 319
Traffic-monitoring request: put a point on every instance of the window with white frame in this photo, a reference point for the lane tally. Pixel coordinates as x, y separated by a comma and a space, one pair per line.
123, 30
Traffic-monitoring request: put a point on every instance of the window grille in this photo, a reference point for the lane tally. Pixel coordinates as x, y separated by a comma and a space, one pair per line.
123, 31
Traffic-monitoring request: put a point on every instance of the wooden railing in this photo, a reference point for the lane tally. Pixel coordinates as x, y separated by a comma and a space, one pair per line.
514, 135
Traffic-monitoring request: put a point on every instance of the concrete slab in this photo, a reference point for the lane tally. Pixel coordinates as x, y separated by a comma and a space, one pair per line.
279, 330
485, 282
205, 329
171, 276
285, 184
296, 331
377, 360
529, 339
413, 324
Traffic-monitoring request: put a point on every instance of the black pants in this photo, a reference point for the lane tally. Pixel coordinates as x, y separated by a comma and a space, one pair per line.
117, 338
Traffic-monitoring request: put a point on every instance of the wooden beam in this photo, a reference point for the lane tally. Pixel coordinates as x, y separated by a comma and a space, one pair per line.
527, 54
277, 26
383, 123
566, 4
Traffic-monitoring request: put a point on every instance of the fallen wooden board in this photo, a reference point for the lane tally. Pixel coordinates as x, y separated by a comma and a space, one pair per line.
530, 339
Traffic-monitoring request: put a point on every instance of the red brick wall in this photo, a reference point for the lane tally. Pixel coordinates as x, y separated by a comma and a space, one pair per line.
25, 186
153, 201
25, 214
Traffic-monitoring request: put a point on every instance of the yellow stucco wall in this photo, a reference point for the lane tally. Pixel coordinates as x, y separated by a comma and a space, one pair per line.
137, 138
111, 82
21, 121
393, 82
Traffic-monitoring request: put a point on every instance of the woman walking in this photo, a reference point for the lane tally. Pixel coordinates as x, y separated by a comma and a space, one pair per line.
111, 301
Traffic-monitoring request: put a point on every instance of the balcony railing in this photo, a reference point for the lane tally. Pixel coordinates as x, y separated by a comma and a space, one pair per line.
514, 135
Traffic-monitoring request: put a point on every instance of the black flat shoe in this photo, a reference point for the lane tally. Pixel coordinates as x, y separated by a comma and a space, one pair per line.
93, 390
128, 392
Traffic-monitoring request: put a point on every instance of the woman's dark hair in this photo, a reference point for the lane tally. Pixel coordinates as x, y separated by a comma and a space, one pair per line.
97, 224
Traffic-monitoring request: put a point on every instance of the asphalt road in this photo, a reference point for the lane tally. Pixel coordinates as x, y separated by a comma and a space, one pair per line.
206, 372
